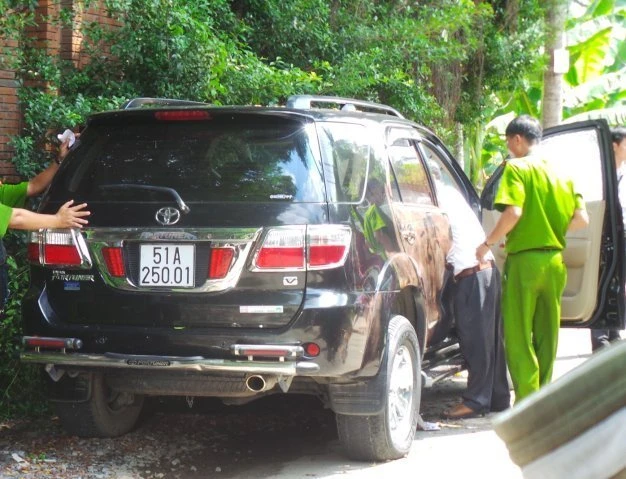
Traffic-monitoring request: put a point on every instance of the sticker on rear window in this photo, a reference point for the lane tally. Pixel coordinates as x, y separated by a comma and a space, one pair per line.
260, 309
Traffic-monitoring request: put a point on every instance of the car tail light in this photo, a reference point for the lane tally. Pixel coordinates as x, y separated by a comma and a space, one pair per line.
283, 248
221, 259
182, 115
115, 261
54, 248
32, 251
51, 343
312, 350
328, 246
288, 248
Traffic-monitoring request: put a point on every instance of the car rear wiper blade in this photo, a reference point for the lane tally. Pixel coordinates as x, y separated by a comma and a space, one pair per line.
181, 204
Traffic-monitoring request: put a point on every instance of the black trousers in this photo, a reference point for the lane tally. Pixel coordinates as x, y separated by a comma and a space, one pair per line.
476, 306
603, 337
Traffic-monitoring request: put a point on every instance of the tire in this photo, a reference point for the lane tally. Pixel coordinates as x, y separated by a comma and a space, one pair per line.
389, 435
106, 413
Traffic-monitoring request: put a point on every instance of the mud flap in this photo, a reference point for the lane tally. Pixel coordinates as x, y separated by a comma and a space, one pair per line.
70, 389
359, 398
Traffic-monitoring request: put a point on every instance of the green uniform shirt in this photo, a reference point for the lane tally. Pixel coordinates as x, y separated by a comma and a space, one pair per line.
548, 203
10, 196
374, 220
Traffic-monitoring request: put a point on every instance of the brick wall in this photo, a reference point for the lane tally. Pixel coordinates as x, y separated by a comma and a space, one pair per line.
66, 42
10, 115
72, 41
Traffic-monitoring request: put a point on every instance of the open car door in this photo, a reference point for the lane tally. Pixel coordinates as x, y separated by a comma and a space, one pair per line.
594, 256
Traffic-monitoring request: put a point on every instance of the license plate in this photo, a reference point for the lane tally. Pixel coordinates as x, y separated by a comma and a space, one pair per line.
167, 265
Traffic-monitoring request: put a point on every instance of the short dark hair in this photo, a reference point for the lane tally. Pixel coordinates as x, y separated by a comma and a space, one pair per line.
526, 126
618, 134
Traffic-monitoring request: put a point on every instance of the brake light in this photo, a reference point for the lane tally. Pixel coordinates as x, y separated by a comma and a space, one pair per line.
182, 115
61, 254
32, 252
114, 260
283, 248
328, 246
221, 258
53, 248
325, 247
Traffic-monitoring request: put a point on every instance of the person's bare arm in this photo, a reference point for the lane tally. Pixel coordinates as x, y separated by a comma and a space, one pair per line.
68, 216
507, 221
579, 221
40, 182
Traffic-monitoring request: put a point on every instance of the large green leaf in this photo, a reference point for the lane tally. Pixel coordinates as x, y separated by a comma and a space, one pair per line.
589, 57
582, 32
615, 115
601, 87
603, 7
618, 46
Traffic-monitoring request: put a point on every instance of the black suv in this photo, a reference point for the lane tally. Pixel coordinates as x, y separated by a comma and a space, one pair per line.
236, 252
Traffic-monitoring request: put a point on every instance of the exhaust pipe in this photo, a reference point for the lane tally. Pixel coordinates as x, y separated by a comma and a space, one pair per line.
257, 383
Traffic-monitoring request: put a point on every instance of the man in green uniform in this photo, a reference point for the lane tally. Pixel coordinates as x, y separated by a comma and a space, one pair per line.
538, 207
13, 215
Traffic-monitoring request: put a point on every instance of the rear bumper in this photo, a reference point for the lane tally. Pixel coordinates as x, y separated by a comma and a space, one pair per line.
170, 363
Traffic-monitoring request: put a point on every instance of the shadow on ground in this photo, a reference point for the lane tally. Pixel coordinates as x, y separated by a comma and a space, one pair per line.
208, 439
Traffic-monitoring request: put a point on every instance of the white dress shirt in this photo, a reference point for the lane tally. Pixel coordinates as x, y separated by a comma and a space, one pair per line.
467, 232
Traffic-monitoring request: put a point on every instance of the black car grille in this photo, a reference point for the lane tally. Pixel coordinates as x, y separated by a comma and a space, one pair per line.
203, 251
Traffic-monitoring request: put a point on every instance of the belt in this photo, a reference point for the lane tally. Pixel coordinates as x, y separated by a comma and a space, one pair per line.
473, 270
531, 250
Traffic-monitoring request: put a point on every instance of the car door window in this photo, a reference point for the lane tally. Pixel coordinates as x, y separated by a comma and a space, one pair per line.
409, 172
577, 155
438, 168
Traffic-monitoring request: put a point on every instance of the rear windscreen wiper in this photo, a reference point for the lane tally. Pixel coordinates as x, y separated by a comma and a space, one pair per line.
181, 204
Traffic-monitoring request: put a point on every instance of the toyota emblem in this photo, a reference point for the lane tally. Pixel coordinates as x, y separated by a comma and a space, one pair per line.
167, 216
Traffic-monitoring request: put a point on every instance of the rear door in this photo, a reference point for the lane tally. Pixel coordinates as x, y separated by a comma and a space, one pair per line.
594, 256
181, 202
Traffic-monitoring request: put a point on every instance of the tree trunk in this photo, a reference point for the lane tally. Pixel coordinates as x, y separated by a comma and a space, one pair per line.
556, 14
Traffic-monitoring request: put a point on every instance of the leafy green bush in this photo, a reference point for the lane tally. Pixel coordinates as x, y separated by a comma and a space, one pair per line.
20, 386
437, 61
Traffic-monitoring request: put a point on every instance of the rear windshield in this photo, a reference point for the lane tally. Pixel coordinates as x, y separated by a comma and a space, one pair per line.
226, 159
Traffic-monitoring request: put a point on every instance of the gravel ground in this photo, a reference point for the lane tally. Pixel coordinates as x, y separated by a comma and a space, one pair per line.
208, 440
265, 439
173, 441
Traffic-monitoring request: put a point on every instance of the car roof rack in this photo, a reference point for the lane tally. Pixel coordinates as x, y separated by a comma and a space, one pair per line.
146, 101
304, 102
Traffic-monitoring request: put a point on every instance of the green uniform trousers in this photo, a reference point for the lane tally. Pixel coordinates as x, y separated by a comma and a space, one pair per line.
532, 286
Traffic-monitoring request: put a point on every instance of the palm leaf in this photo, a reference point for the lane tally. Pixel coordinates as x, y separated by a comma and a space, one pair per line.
615, 115
601, 87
